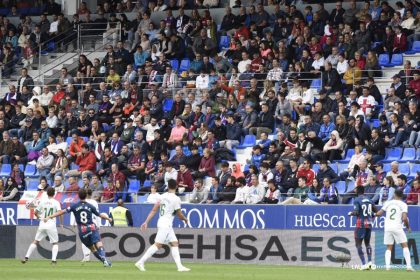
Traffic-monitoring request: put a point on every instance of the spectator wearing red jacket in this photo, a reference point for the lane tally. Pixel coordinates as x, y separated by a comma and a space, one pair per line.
75, 146
184, 179
414, 194
73, 186
87, 163
306, 171
415, 83
207, 165
400, 41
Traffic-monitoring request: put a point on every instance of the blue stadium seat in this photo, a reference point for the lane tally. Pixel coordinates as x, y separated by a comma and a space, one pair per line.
167, 105
376, 44
404, 168
32, 185
21, 167
316, 83
185, 65
4, 11
74, 166
350, 185
133, 186
393, 154
172, 153
414, 169
175, 64
341, 187
418, 154
409, 154
384, 60
397, 59
30, 171
105, 127
35, 11
249, 141
342, 168
51, 46
415, 48
147, 184
6, 169
315, 167
142, 198
224, 42
407, 190
24, 11
387, 167
68, 140
334, 167
375, 123
349, 154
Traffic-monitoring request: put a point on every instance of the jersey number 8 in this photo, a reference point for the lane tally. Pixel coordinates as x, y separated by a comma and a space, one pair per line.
83, 217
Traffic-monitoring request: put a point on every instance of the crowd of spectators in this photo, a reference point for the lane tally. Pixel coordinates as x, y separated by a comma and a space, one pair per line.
130, 116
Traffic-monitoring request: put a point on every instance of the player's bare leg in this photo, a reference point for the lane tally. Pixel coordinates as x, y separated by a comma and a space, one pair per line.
31, 249
388, 257
177, 257
407, 257
149, 253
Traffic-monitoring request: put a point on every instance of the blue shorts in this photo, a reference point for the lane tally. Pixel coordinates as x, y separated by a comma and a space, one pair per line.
363, 233
90, 238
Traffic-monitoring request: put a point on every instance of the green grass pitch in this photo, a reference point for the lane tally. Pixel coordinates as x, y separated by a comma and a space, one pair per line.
42, 269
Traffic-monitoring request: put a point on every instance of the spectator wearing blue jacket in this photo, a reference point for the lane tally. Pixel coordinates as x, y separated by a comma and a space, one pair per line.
329, 193
257, 157
326, 128
233, 133
197, 64
215, 190
140, 57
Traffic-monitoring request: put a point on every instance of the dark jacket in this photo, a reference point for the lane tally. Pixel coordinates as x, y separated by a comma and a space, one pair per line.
233, 131
329, 173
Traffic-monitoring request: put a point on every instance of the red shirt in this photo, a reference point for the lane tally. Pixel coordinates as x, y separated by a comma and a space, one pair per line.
58, 97
308, 174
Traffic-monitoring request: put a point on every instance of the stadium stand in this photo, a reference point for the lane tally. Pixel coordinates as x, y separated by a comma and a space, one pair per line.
138, 96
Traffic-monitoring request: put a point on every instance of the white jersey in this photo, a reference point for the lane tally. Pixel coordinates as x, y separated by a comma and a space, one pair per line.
46, 208
394, 210
169, 204
96, 219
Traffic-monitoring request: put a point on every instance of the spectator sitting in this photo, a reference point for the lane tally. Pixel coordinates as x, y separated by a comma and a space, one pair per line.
272, 194
214, 192
199, 193
414, 194
394, 172
87, 163
44, 163
387, 191
73, 186
300, 193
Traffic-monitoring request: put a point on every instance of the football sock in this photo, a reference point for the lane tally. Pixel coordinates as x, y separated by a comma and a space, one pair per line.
102, 253
31, 248
86, 251
98, 256
54, 252
388, 258
361, 254
176, 256
369, 252
407, 256
150, 252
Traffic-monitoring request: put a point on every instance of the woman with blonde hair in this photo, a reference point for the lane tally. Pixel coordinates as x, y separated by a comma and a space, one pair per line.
372, 65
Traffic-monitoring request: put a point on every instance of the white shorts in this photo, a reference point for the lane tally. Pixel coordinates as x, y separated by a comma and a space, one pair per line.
43, 232
165, 236
398, 236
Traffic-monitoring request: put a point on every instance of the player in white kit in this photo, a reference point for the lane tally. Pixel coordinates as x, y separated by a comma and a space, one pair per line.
96, 221
396, 214
46, 208
168, 206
